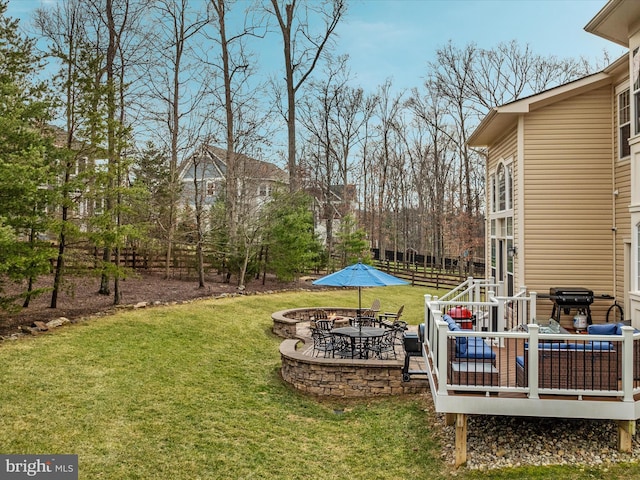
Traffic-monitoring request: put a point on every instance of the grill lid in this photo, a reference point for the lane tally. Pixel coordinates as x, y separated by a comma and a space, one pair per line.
571, 295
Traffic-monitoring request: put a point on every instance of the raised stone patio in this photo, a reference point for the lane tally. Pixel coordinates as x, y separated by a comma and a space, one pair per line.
337, 377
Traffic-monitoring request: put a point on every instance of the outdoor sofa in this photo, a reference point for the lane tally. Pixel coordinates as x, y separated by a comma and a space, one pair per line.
471, 361
468, 349
616, 329
573, 365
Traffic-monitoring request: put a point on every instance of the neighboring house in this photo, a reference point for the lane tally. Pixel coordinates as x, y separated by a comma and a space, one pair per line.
331, 207
563, 180
257, 180
87, 203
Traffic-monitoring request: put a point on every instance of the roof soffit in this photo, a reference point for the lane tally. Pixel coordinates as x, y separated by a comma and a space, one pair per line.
616, 21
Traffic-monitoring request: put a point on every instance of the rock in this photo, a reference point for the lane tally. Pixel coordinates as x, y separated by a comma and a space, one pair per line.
40, 326
58, 322
140, 305
29, 330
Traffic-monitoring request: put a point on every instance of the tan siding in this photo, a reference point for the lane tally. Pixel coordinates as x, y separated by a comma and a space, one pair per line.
568, 185
622, 201
504, 149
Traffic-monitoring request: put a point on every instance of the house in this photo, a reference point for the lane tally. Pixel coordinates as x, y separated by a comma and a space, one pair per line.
207, 168
563, 210
331, 206
563, 180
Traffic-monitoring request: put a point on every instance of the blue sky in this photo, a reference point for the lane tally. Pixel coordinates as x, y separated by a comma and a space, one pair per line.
396, 38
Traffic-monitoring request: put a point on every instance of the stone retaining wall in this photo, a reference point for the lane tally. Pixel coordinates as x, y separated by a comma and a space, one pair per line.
336, 377
285, 321
347, 378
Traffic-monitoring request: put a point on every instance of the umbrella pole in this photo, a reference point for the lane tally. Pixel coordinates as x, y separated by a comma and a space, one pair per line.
359, 313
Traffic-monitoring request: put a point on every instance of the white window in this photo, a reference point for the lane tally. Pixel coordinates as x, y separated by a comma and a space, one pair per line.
501, 225
82, 165
624, 124
636, 89
502, 189
493, 192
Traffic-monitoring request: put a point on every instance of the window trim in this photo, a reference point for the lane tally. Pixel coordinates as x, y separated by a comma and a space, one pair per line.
626, 91
496, 192
635, 98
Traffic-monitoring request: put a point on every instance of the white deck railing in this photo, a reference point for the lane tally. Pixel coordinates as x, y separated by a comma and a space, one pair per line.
581, 388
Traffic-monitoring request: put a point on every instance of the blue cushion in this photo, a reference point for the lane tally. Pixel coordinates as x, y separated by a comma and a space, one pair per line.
447, 318
619, 328
591, 346
603, 329
475, 341
461, 346
520, 361
455, 327
480, 352
552, 346
549, 346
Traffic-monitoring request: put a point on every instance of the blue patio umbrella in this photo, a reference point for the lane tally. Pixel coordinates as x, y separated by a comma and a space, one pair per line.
359, 275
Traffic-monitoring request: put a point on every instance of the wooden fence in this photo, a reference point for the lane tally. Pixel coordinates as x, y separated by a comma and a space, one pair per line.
183, 260
421, 277
184, 265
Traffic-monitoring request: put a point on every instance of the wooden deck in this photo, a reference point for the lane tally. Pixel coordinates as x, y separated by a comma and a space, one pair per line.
560, 374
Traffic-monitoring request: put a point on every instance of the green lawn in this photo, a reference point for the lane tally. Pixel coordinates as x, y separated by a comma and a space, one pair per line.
193, 392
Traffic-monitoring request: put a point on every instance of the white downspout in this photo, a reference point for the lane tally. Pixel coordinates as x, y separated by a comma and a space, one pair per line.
520, 223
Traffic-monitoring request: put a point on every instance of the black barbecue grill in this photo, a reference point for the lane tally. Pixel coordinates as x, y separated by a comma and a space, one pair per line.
566, 298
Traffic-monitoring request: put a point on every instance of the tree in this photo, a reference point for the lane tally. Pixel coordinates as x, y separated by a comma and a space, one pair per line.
116, 23
388, 110
302, 50
321, 162
26, 156
64, 28
173, 70
243, 126
352, 243
332, 114
293, 248
151, 175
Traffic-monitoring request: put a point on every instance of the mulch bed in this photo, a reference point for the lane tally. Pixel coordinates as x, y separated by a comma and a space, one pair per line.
80, 297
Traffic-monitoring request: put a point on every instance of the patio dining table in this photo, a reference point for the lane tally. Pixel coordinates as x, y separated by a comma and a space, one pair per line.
360, 338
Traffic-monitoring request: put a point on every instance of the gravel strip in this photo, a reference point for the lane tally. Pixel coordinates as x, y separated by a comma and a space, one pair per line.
500, 441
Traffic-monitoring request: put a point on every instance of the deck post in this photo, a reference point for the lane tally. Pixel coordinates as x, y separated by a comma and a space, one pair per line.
533, 307
449, 418
470, 293
443, 347
427, 312
627, 363
626, 430
461, 439
501, 315
532, 361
